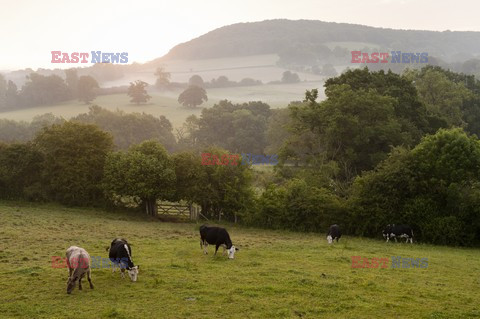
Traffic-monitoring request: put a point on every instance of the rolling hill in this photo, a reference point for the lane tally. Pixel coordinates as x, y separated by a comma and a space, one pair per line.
277, 36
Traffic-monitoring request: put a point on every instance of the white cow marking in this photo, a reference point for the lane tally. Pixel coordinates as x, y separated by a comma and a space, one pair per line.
133, 273
231, 252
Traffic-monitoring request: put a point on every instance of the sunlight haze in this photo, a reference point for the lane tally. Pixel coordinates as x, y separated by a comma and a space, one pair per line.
149, 29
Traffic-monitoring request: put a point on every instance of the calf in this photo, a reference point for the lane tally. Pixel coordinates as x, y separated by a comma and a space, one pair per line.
120, 254
216, 236
78, 263
334, 233
402, 231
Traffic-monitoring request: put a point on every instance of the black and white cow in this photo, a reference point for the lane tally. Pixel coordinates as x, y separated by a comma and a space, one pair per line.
120, 254
216, 236
402, 231
334, 233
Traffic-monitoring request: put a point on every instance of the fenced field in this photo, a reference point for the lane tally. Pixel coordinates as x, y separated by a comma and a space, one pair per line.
275, 274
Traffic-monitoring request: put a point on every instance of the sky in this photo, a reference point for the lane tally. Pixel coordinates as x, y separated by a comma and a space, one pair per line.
30, 30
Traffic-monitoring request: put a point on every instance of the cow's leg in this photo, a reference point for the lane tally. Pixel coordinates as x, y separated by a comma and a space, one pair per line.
388, 237
224, 250
216, 248
337, 239
71, 284
113, 268
205, 251
80, 282
70, 270
395, 237
122, 271
89, 277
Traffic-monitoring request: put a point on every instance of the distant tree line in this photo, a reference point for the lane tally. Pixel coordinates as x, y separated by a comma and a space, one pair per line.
50, 89
126, 129
163, 81
46, 90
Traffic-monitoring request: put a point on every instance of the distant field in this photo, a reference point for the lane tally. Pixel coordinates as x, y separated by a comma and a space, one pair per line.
165, 103
258, 67
351, 45
274, 275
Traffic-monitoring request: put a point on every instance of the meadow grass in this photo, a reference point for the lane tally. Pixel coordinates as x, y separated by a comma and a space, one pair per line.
276, 274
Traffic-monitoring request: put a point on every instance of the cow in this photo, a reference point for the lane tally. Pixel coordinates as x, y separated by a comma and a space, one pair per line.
120, 254
334, 233
78, 263
216, 236
402, 231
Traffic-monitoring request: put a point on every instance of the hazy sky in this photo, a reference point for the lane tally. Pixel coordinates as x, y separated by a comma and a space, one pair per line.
29, 30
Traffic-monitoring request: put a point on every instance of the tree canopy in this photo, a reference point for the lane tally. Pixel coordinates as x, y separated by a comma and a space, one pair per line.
193, 96
145, 172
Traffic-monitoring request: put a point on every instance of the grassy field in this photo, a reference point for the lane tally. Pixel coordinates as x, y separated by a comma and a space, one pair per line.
274, 275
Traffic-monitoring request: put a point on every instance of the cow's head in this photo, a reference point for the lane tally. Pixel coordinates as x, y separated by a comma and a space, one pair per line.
231, 252
387, 231
70, 285
329, 239
133, 272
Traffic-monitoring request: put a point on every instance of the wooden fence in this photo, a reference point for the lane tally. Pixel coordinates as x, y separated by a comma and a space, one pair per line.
175, 210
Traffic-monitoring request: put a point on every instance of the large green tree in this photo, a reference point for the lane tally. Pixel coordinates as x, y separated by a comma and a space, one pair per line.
409, 109
163, 78
145, 172
43, 90
137, 92
74, 158
442, 97
239, 128
21, 167
190, 176
355, 128
193, 96
226, 189
86, 88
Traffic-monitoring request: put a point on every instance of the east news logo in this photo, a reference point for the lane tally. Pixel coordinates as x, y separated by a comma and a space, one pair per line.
382, 57
82, 57
397, 262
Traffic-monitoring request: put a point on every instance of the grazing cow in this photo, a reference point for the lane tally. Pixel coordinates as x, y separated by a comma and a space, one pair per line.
216, 236
78, 263
402, 231
334, 233
120, 254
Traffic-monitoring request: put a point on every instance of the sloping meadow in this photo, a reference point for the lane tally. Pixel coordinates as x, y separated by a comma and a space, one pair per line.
275, 274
